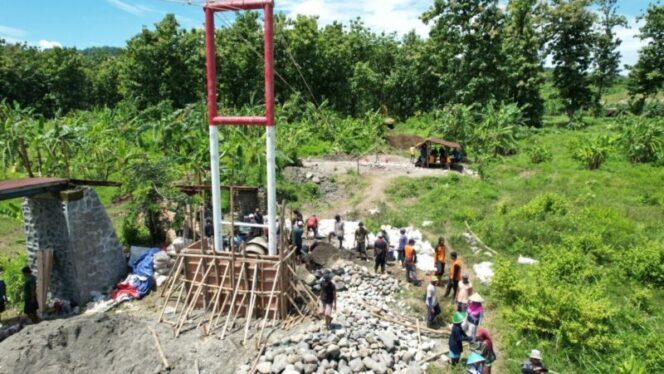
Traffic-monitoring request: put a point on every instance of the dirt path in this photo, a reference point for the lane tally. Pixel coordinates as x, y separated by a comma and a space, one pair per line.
363, 182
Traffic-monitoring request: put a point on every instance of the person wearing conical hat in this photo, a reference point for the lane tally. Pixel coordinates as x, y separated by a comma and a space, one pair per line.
534, 364
457, 337
475, 313
475, 363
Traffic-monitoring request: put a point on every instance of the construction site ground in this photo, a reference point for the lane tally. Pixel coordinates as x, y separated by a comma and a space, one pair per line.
119, 340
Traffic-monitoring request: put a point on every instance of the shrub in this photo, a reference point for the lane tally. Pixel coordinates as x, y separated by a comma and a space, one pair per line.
497, 134
642, 139
645, 263
454, 123
13, 276
544, 205
592, 152
538, 153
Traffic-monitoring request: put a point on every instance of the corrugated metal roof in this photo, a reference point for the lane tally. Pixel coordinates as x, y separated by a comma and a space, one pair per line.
14, 188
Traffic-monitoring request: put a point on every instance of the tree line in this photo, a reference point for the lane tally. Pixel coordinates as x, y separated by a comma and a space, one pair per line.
476, 53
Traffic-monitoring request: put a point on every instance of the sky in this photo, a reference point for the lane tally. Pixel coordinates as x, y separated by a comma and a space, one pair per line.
88, 23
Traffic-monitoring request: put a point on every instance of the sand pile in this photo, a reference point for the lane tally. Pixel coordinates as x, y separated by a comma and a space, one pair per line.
116, 343
103, 343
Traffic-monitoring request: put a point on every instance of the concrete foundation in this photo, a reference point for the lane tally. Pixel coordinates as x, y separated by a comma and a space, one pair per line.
87, 255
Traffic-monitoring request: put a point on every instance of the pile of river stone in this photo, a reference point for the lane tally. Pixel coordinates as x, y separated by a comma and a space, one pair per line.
358, 341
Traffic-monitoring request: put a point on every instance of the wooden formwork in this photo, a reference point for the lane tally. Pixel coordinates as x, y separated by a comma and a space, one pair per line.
216, 289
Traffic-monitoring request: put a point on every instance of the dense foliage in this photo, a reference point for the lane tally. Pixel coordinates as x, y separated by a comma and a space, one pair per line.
596, 291
647, 76
584, 199
477, 52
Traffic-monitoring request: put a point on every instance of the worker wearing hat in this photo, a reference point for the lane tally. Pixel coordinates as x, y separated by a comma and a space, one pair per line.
433, 309
534, 364
475, 363
361, 236
475, 313
457, 337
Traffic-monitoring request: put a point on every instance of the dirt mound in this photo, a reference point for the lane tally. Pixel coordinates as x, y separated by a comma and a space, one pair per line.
100, 344
117, 343
403, 141
325, 254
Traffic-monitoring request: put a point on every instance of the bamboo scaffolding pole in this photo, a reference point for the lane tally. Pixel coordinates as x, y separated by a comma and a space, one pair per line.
172, 275
294, 304
252, 302
168, 298
191, 287
410, 325
232, 241
192, 304
177, 303
249, 258
158, 345
269, 304
216, 297
228, 317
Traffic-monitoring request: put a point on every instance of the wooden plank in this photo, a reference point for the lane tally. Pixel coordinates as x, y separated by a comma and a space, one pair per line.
252, 303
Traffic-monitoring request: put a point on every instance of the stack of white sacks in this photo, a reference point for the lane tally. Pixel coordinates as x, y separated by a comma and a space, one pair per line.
423, 248
163, 262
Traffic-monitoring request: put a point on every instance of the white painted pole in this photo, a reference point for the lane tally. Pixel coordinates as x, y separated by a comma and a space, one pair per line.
216, 189
271, 192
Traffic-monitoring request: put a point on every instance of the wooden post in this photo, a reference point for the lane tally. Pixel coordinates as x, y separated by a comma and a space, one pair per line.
282, 282
252, 303
232, 241
204, 248
269, 301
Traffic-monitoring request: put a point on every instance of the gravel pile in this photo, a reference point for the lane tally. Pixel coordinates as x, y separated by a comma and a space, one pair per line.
358, 341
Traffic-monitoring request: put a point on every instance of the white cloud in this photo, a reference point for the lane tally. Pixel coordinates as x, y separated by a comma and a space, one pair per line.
400, 16
134, 9
46, 44
12, 33
631, 44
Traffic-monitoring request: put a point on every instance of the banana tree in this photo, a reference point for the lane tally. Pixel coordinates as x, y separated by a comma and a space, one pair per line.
16, 128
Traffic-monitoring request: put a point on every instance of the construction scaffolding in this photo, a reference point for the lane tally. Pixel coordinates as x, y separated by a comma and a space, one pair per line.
212, 290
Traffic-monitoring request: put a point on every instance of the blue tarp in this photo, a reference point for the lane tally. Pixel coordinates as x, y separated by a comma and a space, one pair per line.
144, 268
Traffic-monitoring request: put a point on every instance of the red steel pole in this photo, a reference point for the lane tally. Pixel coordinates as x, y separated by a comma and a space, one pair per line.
268, 25
211, 66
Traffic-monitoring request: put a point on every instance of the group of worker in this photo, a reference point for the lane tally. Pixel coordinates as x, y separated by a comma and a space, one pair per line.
436, 157
467, 304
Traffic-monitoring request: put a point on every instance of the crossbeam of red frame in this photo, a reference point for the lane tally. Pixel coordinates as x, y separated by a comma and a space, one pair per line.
239, 5
211, 67
231, 120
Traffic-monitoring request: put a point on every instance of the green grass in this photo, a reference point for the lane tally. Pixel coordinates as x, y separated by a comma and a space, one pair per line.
610, 213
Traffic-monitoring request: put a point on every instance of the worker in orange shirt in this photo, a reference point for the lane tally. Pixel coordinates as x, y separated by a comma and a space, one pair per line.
440, 260
455, 275
410, 258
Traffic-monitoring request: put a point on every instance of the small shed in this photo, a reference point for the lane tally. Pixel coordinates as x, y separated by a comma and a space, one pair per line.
430, 157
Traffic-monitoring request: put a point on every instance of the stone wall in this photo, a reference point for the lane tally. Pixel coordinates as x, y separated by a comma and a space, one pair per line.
87, 255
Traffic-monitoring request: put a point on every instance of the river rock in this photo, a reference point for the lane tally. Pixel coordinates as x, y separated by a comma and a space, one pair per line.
263, 367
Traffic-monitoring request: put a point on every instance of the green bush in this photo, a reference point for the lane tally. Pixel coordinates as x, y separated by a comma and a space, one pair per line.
544, 205
13, 276
497, 133
642, 139
645, 262
592, 152
539, 153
